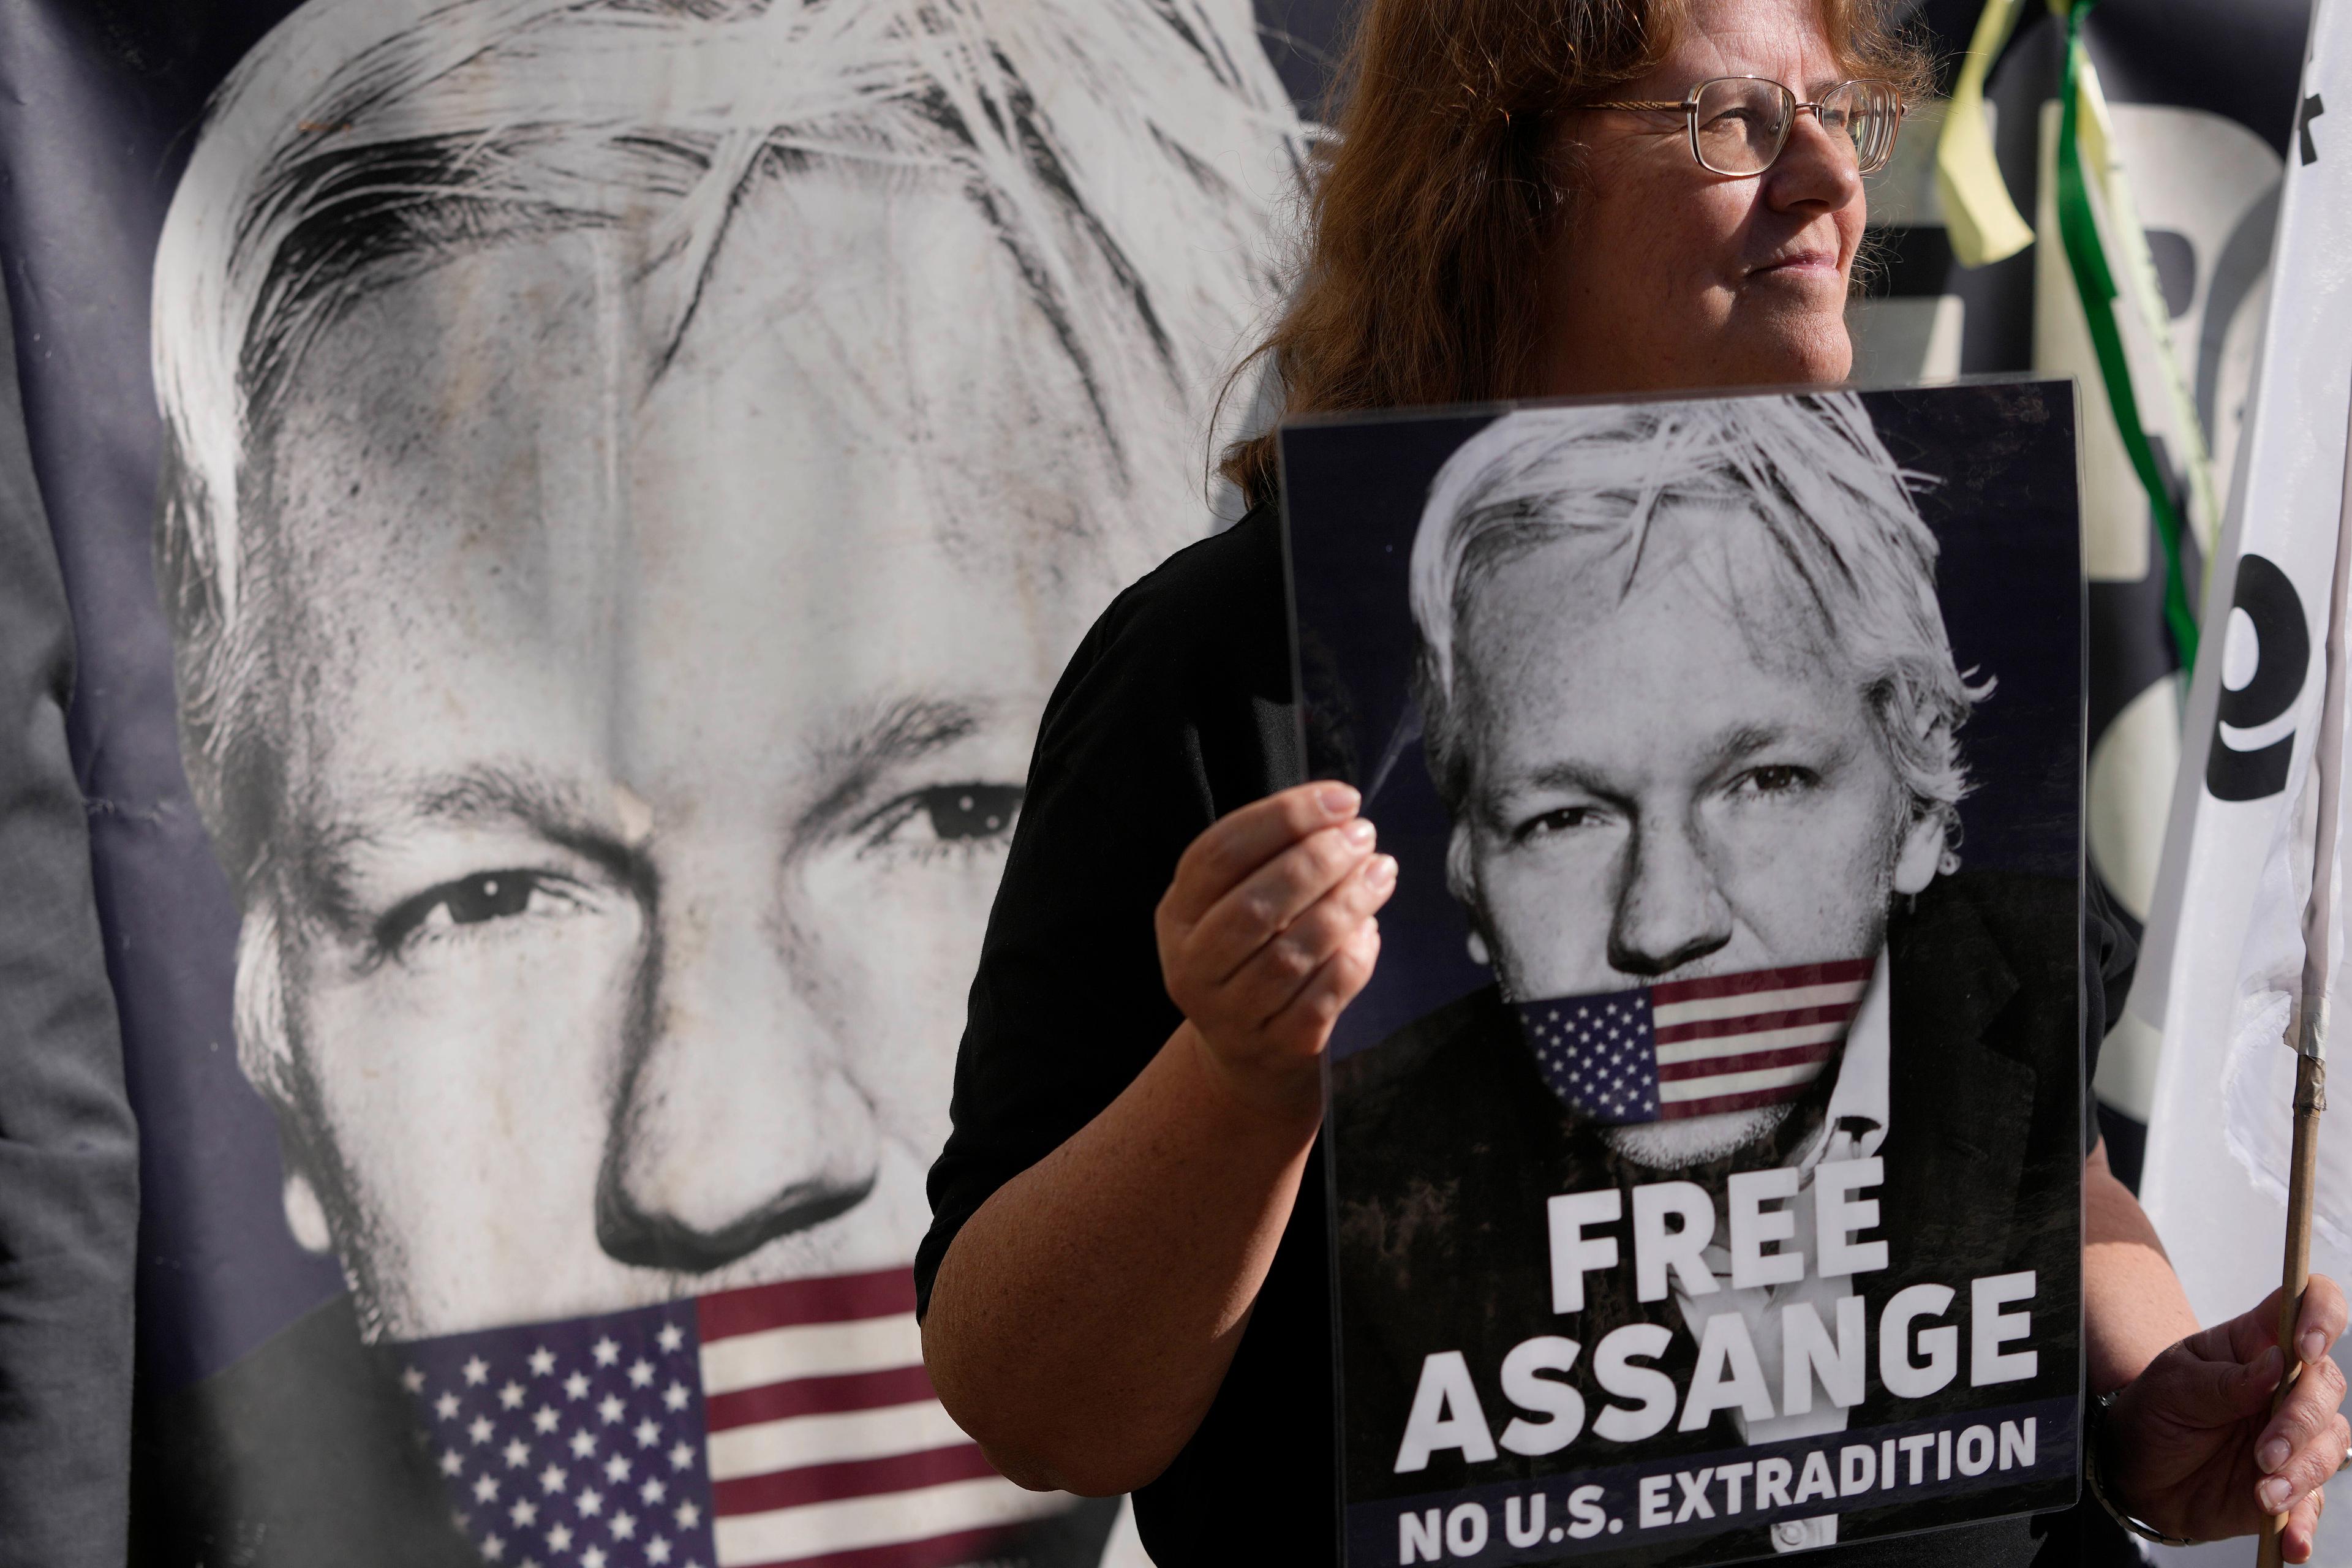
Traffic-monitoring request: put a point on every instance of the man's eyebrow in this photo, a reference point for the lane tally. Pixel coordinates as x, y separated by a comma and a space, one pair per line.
491, 792
1494, 800
1559, 775
483, 793
854, 760
1747, 741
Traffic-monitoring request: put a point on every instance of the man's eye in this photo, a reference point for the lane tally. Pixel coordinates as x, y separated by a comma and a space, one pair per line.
1564, 819
471, 901
1778, 778
971, 811
958, 815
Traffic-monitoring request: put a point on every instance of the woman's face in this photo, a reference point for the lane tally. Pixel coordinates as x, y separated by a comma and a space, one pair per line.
1667, 275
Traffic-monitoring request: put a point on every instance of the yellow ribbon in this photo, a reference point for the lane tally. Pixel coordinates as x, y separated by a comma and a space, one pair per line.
1980, 220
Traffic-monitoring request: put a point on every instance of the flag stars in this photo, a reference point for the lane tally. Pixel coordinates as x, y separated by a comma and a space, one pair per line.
540, 1461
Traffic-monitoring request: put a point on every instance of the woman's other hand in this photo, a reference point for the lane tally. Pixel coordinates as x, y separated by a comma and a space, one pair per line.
2194, 1448
1267, 932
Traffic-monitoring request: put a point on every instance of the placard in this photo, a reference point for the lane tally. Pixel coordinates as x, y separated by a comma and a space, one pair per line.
1706, 1153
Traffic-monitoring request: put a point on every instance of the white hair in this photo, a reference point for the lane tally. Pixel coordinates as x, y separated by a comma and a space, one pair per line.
1129, 153
1833, 507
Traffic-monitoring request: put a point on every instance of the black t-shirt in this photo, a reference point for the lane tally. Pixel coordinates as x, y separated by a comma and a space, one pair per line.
1176, 710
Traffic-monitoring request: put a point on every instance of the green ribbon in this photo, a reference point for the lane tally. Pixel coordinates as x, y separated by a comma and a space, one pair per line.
2087, 260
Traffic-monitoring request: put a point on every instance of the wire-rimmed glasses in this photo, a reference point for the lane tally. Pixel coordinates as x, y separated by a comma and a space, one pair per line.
1739, 123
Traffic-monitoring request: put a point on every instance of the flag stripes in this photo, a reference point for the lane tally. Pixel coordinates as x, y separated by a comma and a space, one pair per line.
827, 1447
1694, 1047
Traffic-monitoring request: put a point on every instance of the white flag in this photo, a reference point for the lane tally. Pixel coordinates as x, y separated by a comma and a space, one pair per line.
2221, 966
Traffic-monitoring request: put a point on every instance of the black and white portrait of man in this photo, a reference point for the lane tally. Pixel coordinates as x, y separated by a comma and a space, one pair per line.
1690, 709
635, 469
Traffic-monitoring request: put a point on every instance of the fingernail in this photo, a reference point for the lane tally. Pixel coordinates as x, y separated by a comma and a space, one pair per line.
2272, 1493
1338, 800
1384, 872
2314, 1345
2272, 1454
1359, 833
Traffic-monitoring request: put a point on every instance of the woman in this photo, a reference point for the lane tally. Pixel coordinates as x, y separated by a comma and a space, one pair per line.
1125, 1282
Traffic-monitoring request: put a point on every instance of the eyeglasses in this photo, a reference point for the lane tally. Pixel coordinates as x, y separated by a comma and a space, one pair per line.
1739, 123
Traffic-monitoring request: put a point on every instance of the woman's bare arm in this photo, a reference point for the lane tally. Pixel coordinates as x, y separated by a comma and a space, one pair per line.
2133, 1306
1083, 1319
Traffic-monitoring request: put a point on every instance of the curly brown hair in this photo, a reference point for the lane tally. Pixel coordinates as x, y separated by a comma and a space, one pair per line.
1435, 199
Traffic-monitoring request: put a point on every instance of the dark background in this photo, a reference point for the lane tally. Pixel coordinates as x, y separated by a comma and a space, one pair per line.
2003, 508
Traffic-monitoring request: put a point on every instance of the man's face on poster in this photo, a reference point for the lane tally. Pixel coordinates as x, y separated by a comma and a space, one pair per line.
648, 750
1682, 780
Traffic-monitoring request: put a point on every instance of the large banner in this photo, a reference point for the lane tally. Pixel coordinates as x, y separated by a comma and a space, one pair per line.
573, 509
1706, 1157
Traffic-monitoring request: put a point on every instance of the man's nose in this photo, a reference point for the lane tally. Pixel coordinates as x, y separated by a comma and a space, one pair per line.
1670, 909
736, 1123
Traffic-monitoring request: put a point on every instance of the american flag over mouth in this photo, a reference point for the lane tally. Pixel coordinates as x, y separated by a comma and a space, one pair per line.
787, 1423
1694, 1047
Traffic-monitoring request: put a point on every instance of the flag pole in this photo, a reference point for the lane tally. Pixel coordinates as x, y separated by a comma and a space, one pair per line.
2319, 944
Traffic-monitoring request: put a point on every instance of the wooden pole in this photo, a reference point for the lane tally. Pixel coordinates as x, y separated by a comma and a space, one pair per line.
2310, 1100
2318, 964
